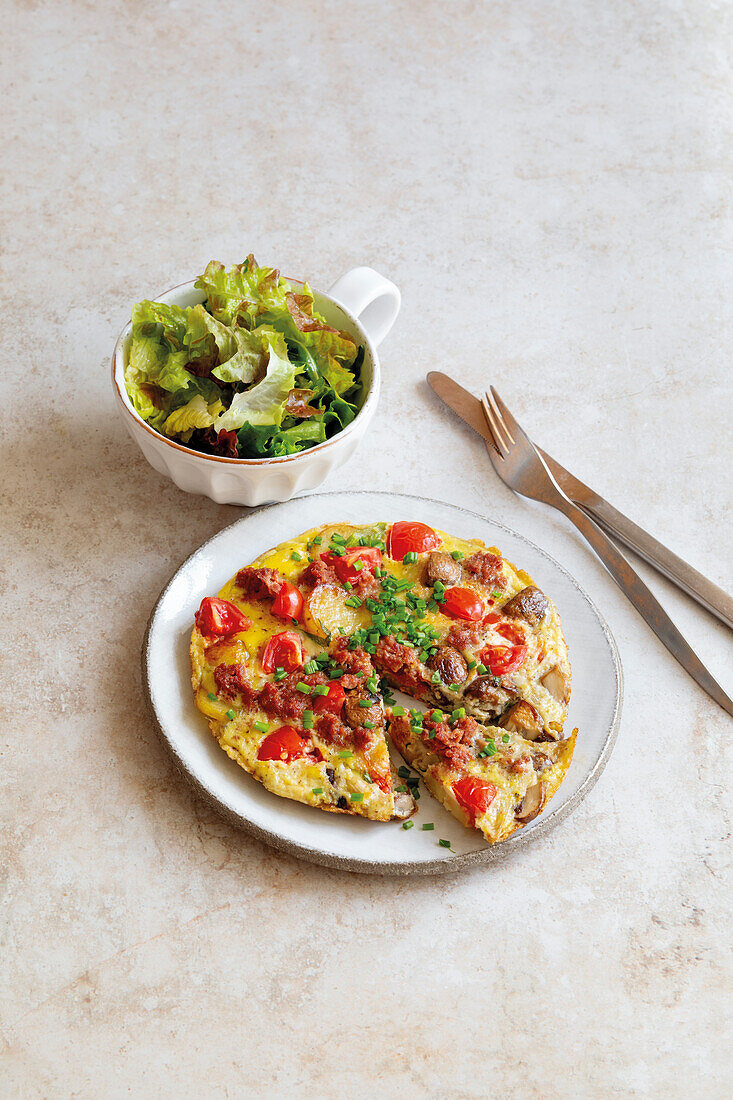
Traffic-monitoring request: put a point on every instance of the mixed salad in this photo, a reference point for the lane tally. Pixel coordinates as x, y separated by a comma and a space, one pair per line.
253, 372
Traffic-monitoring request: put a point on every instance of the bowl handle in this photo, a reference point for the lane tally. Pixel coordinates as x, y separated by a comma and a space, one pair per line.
370, 297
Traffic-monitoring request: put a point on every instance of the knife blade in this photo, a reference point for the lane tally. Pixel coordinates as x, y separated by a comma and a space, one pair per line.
707, 594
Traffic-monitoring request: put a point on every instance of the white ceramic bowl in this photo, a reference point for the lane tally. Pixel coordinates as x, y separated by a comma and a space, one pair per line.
363, 303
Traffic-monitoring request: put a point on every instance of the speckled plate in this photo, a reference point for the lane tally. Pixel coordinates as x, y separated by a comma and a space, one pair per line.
334, 839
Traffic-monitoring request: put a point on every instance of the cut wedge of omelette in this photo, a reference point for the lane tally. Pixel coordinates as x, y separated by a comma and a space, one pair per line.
291, 662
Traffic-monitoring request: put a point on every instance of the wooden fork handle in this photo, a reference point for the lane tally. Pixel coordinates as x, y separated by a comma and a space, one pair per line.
709, 595
644, 601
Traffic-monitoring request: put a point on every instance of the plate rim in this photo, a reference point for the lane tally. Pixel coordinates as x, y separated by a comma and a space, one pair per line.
439, 865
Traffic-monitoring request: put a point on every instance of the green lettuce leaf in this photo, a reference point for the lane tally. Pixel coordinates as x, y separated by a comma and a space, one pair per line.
151, 318
251, 349
204, 332
194, 414
256, 440
264, 402
339, 378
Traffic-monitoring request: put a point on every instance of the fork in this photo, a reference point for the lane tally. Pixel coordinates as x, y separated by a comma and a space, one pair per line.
519, 465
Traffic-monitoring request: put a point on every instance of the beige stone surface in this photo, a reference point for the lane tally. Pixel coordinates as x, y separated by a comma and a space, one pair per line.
549, 184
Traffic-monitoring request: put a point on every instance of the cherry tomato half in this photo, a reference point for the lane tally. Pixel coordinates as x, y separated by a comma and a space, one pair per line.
288, 604
502, 659
407, 535
462, 603
284, 744
491, 618
333, 702
474, 795
220, 618
283, 651
354, 561
511, 632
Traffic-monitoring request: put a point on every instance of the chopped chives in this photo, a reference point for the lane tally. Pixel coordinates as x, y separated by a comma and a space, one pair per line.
345, 754
505, 738
279, 676
317, 790
482, 670
335, 674
404, 772
295, 556
310, 667
410, 557
353, 601
303, 688
368, 777
231, 715
317, 540
407, 824
454, 687
357, 796
212, 697
398, 712
435, 677
471, 665
444, 843
320, 689
365, 704
428, 827
308, 719
261, 726
456, 555
368, 725
357, 566
402, 788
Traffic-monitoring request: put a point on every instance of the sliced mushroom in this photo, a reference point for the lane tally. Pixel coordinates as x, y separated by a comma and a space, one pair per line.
523, 718
531, 804
557, 683
356, 715
530, 604
404, 805
483, 690
442, 567
450, 665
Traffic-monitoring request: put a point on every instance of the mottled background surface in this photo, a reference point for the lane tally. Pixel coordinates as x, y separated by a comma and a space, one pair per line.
548, 183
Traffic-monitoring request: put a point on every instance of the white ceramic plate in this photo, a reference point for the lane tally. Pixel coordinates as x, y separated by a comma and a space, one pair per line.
335, 839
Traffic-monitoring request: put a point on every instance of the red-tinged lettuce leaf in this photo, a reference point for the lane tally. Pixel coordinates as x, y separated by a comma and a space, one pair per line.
219, 443
239, 294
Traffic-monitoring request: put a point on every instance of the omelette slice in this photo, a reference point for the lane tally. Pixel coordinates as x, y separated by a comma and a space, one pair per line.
488, 777
314, 734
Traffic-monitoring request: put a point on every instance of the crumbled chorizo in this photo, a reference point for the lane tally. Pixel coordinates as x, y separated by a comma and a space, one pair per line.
259, 584
487, 568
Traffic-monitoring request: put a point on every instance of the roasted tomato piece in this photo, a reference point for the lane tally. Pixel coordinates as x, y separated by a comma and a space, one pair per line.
502, 659
462, 603
219, 618
511, 632
283, 651
409, 536
288, 604
474, 795
284, 744
333, 702
355, 560
491, 618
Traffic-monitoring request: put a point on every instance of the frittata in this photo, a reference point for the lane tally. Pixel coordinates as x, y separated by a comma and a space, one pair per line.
291, 665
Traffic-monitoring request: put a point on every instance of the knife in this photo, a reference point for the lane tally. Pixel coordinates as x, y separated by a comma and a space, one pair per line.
707, 594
